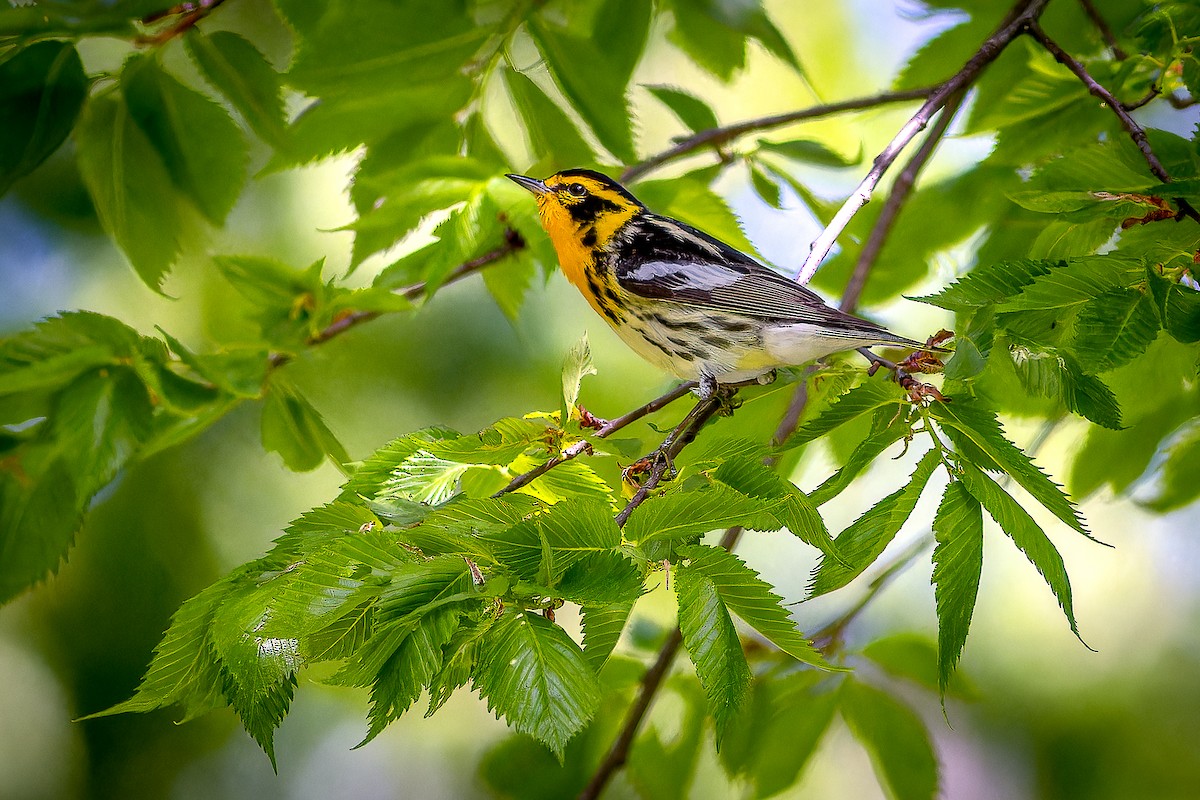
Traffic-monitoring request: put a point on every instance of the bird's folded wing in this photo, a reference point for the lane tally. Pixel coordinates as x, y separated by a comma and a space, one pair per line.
745, 288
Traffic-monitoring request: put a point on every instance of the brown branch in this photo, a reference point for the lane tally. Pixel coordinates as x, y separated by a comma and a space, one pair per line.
1135, 131
898, 196
1025, 13
608, 429
1153, 92
714, 137
188, 15
1106, 32
513, 241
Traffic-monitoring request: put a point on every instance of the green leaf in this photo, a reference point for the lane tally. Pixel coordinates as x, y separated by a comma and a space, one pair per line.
295, 430
259, 676
862, 399
409, 670
792, 507
553, 137
42, 89
713, 644
682, 515
577, 365
1076, 282
765, 186
809, 151
691, 110
709, 42
778, 730
957, 565
886, 429
751, 598
129, 185
1058, 377
595, 78
895, 739
602, 626
865, 539
1115, 329
987, 285
543, 548
604, 577
1026, 534
970, 424
533, 674
240, 72
1180, 309
914, 657
184, 669
663, 759
201, 147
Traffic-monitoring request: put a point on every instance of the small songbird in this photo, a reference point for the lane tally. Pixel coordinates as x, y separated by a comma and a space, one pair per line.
684, 301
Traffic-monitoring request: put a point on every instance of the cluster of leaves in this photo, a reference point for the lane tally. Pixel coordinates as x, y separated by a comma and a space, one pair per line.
419, 577
425, 574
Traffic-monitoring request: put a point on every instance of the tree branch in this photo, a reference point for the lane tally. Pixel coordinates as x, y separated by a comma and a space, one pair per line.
715, 137
1025, 13
513, 241
898, 196
188, 15
608, 429
1135, 131
1106, 33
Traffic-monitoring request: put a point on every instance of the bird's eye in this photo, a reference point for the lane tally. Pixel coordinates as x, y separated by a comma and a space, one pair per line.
576, 189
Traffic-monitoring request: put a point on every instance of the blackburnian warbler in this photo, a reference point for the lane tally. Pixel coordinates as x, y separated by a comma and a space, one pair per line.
684, 301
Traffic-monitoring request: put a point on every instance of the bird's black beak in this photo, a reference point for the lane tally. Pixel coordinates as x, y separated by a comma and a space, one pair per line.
532, 184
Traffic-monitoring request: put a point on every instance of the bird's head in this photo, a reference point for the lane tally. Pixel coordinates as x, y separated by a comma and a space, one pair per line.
581, 204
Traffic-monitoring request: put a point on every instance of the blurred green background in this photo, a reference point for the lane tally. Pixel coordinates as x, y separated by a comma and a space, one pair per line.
1049, 718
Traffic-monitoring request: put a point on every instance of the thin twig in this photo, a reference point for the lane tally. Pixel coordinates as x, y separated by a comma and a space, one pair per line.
1025, 13
897, 197
715, 137
1135, 131
664, 457
1106, 33
513, 241
189, 14
1153, 92
608, 429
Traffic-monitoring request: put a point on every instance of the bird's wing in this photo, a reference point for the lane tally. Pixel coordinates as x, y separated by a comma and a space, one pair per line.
746, 288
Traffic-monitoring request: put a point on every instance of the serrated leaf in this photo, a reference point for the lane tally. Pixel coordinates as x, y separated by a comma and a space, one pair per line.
594, 78
242, 74
1178, 485
424, 478
862, 399
914, 657
601, 578
765, 186
130, 187
795, 510
1114, 329
1076, 282
957, 565
986, 285
602, 626
751, 598
576, 366
691, 110
201, 147
553, 137
409, 670
866, 538
713, 644
895, 739
1026, 534
541, 549
886, 429
971, 423
682, 515
42, 89
184, 669
259, 676
531, 673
